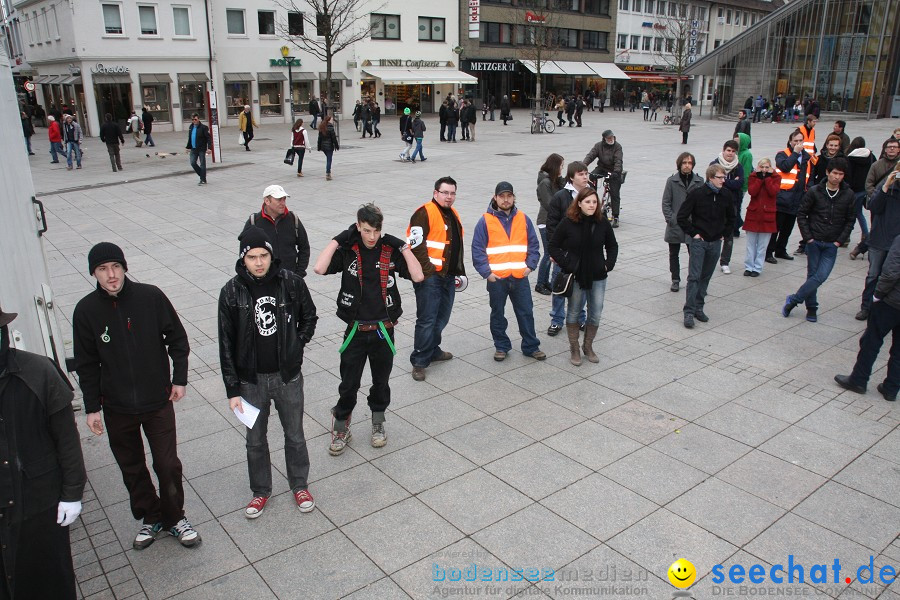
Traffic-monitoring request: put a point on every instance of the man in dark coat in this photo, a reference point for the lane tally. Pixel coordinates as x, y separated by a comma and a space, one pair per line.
200, 144
42, 475
147, 119
285, 231
111, 135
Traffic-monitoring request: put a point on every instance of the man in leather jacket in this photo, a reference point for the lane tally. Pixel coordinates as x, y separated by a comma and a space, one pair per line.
266, 318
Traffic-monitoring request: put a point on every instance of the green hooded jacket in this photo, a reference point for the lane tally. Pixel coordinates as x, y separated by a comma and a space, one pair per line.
744, 157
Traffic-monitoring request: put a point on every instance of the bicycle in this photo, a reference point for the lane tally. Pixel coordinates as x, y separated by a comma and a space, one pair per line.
595, 178
670, 120
540, 123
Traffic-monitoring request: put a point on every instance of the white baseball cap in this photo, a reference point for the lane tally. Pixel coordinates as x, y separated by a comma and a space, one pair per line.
276, 191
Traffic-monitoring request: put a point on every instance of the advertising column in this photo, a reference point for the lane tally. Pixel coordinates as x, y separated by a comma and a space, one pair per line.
214, 125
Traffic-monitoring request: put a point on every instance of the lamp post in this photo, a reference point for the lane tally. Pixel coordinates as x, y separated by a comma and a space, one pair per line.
286, 54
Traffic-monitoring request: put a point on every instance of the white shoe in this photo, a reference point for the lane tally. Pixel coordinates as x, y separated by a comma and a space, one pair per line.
726, 269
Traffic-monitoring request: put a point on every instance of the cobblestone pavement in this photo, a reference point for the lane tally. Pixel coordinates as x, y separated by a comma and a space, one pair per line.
726, 444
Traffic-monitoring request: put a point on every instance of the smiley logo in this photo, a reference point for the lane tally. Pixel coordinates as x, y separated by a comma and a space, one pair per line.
682, 573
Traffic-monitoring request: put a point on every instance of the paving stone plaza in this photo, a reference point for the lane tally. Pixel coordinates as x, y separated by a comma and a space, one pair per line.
728, 444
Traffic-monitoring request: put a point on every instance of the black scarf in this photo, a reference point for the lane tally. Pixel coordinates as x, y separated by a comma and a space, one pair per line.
686, 179
584, 273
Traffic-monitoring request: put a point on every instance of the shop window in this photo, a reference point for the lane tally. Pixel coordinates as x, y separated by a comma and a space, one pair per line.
595, 40
182, 16
112, 19
431, 29
385, 27
235, 20
624, 4
193, 100
270, 100
237, 95
156, 98
646, 43
147, 16
295, 23
596, 7
635, 42
661, 7
622, 41
496, 33
302, 95
266, 21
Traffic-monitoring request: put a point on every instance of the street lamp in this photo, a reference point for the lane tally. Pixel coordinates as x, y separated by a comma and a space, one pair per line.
286, 54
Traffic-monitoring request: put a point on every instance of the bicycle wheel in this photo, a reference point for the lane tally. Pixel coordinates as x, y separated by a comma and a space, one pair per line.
550, 126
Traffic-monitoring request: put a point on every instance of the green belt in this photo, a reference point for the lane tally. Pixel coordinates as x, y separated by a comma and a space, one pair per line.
353, 331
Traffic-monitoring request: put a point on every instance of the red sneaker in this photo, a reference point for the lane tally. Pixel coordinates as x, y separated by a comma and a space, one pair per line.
304, 500
256, 507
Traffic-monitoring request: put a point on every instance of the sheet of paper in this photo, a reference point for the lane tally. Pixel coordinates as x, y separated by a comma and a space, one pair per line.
248, 417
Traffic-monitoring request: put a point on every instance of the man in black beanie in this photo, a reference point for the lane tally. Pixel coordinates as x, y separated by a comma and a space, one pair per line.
42, 475
266, 318
124, 335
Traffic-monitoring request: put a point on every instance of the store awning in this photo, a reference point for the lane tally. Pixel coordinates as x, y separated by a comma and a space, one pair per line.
110, 78
71, 80
547, 67
420, 76
155, 78
305, 76
54, 78
269, 76
335, 76
575, 68
192, 78
608, 71
42, 79
238, 77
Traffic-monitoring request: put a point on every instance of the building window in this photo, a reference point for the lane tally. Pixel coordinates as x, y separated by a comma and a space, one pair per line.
147, 15
624, 4
657, 44
496, 33
646, 43
323, 26
728, 16
699, 47
682, 11
648, 7
755, 19
573, 5
37, 27
266, 21
635, 42
701, 13
566, 38
182, 16
193, 100
295, 23
235, 19
595, 40
46, 22
237, 95
746, 19
716, 44
673, 9
596, 7
721, 14
156, 98
270, 101
622, 41
431, 29
385, 27
661, 7
55, 22
112, 19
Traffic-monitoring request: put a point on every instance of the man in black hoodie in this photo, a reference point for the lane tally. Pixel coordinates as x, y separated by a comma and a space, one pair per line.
111, 135
124, 335
266, 318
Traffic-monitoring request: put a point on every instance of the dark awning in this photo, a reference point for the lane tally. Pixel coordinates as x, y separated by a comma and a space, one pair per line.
271, 76
155, 78
304, 76
238, 77
110, 78
335, 76
192, 78
71, 80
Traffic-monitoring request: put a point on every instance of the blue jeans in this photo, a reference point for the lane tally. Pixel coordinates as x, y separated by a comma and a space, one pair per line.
314, 121
451, 132
860, 215
876, 262
434, 301
329, 154
820, 258
198, 162
883, 319
594, 298
418, 150
28, 144
519, 292
73, 148
149, 140
757, 243
543, 272
56, 148
288, 399
558, 304
701, 266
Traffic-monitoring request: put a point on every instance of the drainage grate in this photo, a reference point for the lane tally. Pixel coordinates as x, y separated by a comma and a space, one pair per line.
509, 154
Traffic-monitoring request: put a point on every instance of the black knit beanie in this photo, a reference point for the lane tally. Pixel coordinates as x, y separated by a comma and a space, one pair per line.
253, 237
105, 252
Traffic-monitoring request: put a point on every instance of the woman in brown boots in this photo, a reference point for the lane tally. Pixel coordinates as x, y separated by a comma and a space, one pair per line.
584, 244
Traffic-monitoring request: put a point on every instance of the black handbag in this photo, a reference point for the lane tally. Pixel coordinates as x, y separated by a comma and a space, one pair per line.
562, 284
289, 157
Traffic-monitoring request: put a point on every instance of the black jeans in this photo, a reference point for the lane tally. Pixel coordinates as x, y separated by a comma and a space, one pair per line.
299, 153
114, 158
615, 197
883, 319
674, 260
365, 345
127, 447
779, 241
701, 266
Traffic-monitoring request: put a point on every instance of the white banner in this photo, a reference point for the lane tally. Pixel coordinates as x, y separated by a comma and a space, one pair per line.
474, 19
213, 112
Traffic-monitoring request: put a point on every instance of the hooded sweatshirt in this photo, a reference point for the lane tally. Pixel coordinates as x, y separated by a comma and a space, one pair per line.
745, 158
861, 160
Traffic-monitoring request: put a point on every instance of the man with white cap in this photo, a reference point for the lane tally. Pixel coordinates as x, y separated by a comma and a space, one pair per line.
285, 231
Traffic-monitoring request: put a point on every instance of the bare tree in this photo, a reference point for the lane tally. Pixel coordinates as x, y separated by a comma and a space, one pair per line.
537, 36
329, 26
680, 37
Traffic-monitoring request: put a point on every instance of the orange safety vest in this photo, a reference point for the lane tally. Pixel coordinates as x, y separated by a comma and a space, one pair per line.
809, 142
789, 178
437, 242
506, 253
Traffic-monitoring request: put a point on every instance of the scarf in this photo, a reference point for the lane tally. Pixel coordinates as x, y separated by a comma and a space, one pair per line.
685, 179
728, 166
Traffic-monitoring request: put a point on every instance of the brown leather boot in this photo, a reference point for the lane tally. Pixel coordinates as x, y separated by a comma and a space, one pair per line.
572, 330
590, 331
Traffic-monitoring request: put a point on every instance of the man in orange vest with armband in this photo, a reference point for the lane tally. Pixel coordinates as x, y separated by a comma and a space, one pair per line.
435, 234
794, 165
505, 249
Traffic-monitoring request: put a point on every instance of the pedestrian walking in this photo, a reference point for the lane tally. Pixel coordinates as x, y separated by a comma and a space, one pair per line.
504, 109
418, 131
327, 143
315, 110
763, 184
27, 131
369, 301
266, 318
134, 127
199, 144
72, 138
549, 182
111, 135
406, 134
299, 142
54, 135
120, 325
246, 123
147, 120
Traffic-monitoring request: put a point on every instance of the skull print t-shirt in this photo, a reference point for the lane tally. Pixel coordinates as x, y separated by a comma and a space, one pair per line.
265, 318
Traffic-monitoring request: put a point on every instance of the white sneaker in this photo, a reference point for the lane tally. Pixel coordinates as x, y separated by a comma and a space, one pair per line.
726, 269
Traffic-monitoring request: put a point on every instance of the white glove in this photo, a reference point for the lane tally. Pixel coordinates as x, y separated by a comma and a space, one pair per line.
67, 513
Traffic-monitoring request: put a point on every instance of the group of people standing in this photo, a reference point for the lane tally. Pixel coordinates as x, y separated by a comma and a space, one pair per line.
366, 117
453, 115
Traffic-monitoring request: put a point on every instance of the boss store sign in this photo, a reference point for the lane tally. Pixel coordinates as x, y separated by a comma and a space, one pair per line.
473, 65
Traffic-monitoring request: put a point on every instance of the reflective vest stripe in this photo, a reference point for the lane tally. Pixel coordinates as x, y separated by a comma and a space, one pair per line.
809, 143
433, 244
789, 178
500, 249
507, 253
436, 262
497, 267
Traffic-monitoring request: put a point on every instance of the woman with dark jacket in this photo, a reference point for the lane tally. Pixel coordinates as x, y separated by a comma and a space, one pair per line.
327, 143
578, 246
504, 109
549, 181
860, 159
685, 126
759, 223
27, 131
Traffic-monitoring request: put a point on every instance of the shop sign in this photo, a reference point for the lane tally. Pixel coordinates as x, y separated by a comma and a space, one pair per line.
474, 19
483, 65
399, 62
530, 17
282, 62
637, 68
646, 24
100, 68
658, 26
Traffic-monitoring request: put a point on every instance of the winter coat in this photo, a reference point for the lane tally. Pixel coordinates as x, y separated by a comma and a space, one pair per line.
559, 204
504, 106
685, 125
820, 169
328, 141
885, 217
442, 114
760, 216
877, 173
53, 132
74, 135
147, 118
27, 127
418, 127
110, 133
673, 197
734, 179
824, 219
204, 140
480, 240
609, 157
707, 213
745, 158
246, 122
288, 237
861, 160
567, 245
887, 289
545, 191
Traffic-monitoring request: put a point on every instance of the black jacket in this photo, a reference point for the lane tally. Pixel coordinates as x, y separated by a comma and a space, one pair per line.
122, 348
824, 219
327, 142
887, 288
109, 131
147, 118
707, 213
27, 127
742, 126
568, 241
313, 107
40, 454
885, 217
295, 315
288, 238
556, 211
204, 141
609, 157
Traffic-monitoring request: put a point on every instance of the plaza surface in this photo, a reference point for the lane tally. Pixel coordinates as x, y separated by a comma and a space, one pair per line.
725, 444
